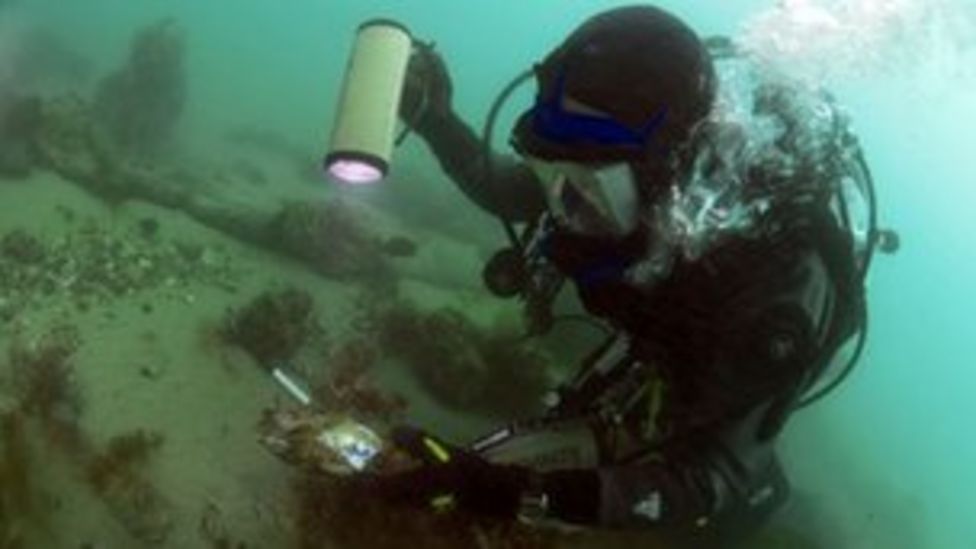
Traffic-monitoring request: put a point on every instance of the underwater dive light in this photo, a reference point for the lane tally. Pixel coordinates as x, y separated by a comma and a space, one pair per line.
365, 124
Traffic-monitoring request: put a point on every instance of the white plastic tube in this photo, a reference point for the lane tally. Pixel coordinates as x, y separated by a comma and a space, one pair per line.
291, 386
365, 125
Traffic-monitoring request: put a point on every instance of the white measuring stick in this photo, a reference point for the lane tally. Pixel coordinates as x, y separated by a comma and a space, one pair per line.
290, 386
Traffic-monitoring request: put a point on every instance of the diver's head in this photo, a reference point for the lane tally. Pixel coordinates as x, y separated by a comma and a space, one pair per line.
617, 102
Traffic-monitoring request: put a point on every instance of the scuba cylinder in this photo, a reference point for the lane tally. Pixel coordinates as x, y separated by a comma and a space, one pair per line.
366, 119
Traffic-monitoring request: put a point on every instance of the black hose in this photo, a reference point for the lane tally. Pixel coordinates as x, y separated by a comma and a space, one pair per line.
873, 232
486, 140
862, 329
846, 372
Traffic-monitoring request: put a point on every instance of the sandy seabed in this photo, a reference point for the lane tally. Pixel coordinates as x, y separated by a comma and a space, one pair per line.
148, 360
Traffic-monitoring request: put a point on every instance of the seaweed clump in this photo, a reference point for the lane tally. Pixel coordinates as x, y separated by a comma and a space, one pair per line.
462, 365
121, 459
273, 327
116, 474
46, 391
48, 394
44, 378
17, 507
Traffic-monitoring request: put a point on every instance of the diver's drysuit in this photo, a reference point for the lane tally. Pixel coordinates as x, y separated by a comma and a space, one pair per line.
683, 405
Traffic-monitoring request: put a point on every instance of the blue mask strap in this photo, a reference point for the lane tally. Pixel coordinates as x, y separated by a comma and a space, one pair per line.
553, 122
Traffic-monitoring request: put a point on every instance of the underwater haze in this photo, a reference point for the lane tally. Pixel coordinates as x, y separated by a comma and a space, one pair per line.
887, 461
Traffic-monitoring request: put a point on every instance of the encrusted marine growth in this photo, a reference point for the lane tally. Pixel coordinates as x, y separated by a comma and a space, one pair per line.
331, 238
141, 103
274, 326
68, 142
462, 365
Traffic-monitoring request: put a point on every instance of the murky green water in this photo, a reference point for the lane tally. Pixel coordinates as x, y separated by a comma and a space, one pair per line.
126, 263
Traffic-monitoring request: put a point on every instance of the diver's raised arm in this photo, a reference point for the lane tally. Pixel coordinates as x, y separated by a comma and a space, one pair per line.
504, 187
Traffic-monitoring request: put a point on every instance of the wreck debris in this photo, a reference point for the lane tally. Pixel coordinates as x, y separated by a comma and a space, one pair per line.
68, 142
117, 477
141, 103
331, 237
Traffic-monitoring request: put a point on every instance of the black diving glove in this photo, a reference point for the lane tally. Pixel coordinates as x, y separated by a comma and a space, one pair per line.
427, 90
450, 477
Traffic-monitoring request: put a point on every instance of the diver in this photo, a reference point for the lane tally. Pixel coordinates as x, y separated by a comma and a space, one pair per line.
728, 286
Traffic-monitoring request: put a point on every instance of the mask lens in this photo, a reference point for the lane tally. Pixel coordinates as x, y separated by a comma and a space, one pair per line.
596, 201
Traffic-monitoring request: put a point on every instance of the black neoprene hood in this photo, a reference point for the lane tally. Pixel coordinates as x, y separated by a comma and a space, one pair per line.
630, 63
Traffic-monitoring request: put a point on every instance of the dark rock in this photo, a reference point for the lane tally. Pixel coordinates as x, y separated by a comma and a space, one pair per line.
21, 246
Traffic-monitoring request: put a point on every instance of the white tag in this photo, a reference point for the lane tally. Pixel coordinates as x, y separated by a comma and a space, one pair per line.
650, 507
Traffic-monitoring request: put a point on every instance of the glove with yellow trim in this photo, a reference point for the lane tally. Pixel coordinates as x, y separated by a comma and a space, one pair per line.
450, 477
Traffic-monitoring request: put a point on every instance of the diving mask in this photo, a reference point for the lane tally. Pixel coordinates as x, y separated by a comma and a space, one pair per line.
595, 201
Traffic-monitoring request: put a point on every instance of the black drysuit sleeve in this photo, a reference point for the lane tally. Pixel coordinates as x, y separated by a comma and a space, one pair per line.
510, 189
712, 485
